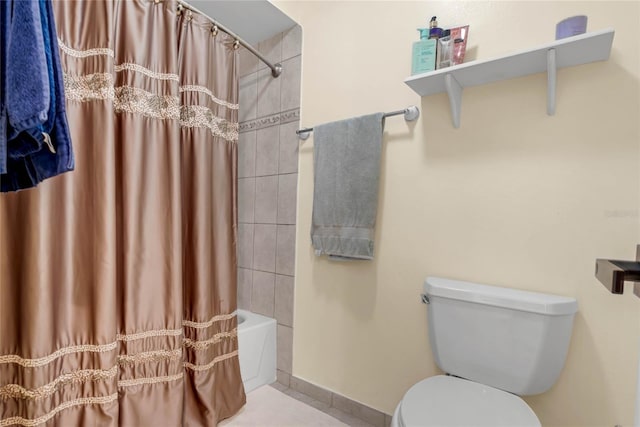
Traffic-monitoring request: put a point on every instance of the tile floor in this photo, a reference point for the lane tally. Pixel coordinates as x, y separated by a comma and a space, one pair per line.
268, 407
279, 406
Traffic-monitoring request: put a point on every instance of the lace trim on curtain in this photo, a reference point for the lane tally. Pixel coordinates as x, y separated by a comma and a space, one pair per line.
100, 400
87, 52
19, 392
146, 71
151, 380
81, 376
134, 100
204, 344
150, 356
16, 391
125, 98
214, 319
102, 348
202, 89
104, 51
100, 86
41, 361
149, 334
88, 87
210, 364
197, 116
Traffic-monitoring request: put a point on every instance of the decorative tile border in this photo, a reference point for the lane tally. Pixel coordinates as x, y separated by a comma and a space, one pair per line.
290, 116
272, 120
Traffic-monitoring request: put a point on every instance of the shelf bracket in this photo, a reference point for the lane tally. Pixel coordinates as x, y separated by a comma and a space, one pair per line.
551, 82
454, 90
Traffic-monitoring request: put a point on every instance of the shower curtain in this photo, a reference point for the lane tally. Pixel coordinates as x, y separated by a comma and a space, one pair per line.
118, 280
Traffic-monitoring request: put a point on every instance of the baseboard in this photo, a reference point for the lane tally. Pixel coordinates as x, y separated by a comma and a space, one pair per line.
342, 403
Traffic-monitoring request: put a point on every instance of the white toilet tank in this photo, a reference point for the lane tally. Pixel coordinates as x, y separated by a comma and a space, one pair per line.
509, 339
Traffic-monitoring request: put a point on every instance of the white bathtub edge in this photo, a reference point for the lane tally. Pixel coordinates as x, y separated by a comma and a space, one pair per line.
257, 336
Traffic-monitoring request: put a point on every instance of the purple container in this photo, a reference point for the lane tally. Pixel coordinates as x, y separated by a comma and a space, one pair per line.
571, 27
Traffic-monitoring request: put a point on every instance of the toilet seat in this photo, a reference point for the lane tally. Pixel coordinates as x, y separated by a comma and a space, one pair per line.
452, 401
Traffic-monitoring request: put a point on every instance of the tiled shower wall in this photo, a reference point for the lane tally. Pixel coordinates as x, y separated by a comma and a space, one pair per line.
267, 185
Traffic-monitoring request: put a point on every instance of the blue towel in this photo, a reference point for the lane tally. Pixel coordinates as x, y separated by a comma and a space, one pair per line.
42, 149
5, 13
28, 102
27, 77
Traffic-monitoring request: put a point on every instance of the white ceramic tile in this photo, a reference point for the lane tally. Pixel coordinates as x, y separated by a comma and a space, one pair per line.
291, 77
248, 97
266, 199
247, 154
262, 293
264, 248
285, 256
285, 347
245, 281
267, 143
292, 42
350, 420
289, 147
248, 62
245, 245
271, 49
287, 193
268, 93
284, 300
246, 198
283, 379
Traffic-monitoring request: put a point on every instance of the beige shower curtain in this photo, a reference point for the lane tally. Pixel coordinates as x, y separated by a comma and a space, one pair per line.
117, 280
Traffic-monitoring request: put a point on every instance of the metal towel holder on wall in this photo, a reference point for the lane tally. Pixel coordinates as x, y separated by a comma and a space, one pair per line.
410, 114
613, 273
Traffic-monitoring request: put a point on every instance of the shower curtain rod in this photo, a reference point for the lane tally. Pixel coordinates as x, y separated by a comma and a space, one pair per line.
411, 113
276, 69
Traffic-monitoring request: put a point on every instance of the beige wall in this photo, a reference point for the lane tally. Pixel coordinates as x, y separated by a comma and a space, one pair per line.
513, 197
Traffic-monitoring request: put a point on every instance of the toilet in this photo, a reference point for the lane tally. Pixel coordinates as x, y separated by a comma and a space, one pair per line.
494, 344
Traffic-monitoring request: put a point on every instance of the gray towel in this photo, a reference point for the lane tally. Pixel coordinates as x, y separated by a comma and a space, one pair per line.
346, 160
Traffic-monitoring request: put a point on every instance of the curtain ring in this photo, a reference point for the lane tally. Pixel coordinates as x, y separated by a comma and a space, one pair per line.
236, 45
189, 16
179, 11
214, 30
156, 1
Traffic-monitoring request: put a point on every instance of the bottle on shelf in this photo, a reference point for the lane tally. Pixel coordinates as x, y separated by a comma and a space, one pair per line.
444, 52
423, 53
435, 32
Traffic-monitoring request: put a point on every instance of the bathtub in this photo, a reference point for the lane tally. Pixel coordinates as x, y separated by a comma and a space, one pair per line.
256, 349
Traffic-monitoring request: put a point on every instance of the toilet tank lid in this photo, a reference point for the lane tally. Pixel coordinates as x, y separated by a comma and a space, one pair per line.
514, 299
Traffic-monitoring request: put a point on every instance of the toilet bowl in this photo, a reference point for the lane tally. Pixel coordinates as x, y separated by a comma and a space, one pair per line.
450, 401
495, 344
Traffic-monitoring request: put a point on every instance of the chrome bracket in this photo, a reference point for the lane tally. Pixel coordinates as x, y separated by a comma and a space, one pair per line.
411, 113
425, 298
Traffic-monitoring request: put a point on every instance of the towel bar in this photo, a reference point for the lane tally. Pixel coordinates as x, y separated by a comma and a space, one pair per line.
410, 114
613, 273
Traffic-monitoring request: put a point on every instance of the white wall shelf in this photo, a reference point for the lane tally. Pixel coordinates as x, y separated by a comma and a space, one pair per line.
576, 50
